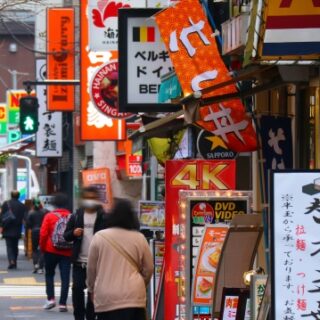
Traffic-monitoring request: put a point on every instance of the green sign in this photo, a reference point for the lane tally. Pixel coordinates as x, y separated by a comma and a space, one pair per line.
3, 127
14, 135
14, 116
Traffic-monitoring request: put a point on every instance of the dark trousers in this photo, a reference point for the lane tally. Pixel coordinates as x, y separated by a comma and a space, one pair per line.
37, 255
51, 261
12, 249
81, 309
123, 314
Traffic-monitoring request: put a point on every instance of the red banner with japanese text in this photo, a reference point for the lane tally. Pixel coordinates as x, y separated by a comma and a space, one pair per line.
194, 53
186, 175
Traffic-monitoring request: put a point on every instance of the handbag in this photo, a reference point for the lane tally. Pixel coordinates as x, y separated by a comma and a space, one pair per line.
127, 256
8, 217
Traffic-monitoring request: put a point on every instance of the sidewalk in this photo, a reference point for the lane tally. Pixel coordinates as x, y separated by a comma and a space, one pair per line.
22, 293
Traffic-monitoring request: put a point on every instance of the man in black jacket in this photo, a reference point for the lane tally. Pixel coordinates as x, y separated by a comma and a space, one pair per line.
88, 220
12, 232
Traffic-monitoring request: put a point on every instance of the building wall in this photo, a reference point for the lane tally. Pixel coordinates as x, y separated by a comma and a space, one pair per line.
21, 61
104, 156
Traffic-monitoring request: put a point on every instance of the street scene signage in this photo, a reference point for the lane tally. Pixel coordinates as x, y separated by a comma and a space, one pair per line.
292, 30
194, 53
143, 60
103, 22
60, 58
49, 140
94, 124
295, 244
186, 175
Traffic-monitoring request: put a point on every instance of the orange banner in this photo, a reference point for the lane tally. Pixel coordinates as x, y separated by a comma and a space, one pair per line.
193, 50
95, 125
60, 58
99, 178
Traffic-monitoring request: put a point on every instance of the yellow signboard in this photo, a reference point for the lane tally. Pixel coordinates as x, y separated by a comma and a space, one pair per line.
291, 30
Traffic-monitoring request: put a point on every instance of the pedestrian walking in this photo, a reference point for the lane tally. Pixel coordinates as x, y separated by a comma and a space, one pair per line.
88, 219
56, 251
120, 266
12, 217
34, 222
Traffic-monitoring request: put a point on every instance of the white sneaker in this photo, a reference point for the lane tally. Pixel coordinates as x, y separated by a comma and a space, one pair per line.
49, 304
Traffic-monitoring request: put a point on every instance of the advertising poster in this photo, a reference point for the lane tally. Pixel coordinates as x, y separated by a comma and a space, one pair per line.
99, 178
61, 58
295, 240
96, 124
152, 214
186, 175
206, 266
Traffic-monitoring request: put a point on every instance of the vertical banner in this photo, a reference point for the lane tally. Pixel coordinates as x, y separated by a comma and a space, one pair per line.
186, 175
99, 178
276, 141
60, 58
195, 56
95, 123
103, 22
295, 245
49, 140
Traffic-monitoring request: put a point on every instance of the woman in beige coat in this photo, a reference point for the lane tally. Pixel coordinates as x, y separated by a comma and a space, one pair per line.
120, 266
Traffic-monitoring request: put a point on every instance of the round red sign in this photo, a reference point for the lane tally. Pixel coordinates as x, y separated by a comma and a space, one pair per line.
104, 91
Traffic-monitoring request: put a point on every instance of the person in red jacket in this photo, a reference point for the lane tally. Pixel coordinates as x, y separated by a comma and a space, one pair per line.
55, 254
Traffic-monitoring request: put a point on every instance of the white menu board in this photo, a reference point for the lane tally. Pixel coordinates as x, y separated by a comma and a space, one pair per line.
295, 218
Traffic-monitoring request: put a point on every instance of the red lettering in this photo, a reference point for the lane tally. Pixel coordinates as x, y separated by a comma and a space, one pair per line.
288, 3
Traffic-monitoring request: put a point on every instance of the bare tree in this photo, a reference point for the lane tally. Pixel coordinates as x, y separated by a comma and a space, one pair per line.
8, 4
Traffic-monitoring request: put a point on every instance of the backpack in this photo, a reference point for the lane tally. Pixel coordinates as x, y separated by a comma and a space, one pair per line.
57, 238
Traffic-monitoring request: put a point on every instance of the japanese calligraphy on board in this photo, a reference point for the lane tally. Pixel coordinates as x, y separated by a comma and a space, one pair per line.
291, 30
295, 223
198, 64
49, 135
103, 22
143, 60
61, 58
95, 123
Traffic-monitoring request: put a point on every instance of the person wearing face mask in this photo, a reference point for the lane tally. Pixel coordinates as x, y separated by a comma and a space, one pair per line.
88, 219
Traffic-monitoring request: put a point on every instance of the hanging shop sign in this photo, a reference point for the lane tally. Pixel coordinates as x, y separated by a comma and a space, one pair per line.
103, 22
295, 244
99, 178
143, 60
3, 119
104, 90
60, 58
95, 125
187, 35
257, 288
186, 175
151, 214
213, 147
49, 142
292, 30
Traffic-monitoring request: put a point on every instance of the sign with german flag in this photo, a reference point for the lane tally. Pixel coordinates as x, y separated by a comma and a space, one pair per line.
292, 30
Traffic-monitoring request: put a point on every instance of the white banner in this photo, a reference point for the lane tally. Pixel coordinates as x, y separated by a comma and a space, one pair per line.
41, 23
103, 22
295, 234
49, 136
